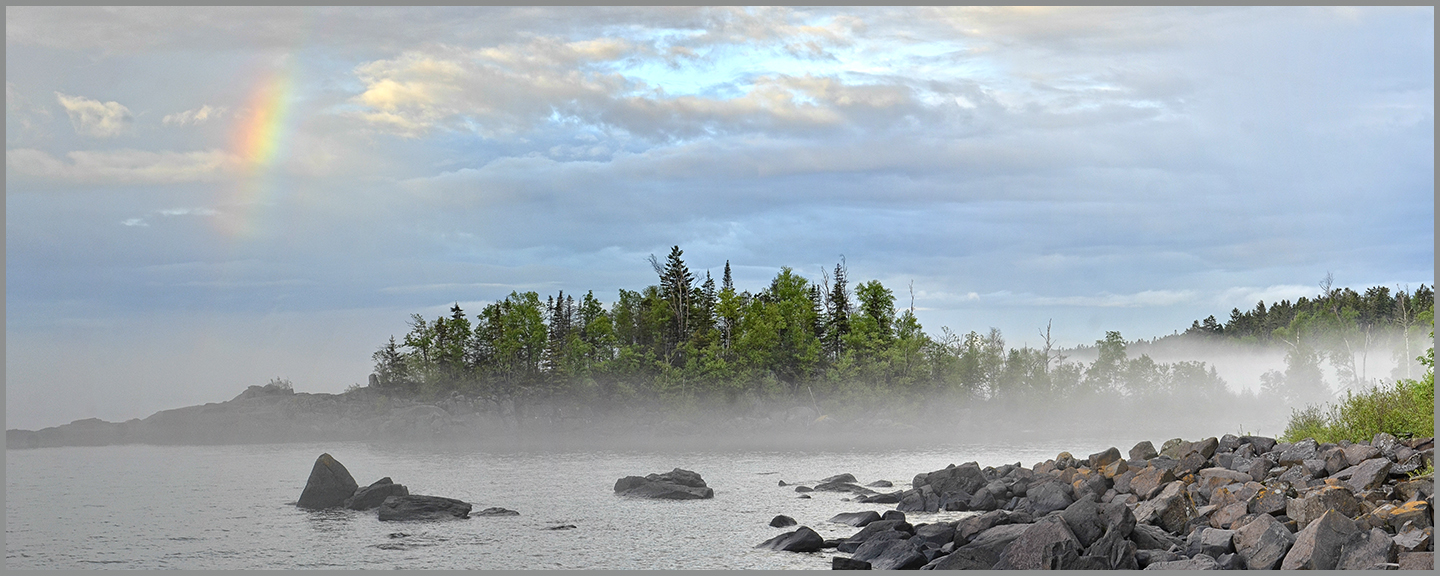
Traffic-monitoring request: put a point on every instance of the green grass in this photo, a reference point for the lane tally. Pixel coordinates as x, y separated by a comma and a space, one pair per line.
1403, 408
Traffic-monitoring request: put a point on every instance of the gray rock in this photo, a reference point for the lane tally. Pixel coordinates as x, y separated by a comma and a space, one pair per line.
1046, 545
995, 539
846, 477
1148, 537
1048, 497
1299, 452
1357, 453
677, 484
1371, 550
1335, 460
801, 540
1144, 558
374, 495
411, 508
881, 484
1369, 474
1417, 561
1170, 509
843, 563
329, 485
1199, 562
1230, 561
1310, 505
782, 521
1143, 451
1117, 551
1105, 458
497, 511
1084, 520
893, 515
1269, 501
939, 533
1148, 482
1414, 540
891, 555
964, 558
968, 527
1318, 545
1215, 542
856, 519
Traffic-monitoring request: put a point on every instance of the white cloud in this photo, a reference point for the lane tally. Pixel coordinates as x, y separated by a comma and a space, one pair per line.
191, 117
124, 166
135, 222
95, 118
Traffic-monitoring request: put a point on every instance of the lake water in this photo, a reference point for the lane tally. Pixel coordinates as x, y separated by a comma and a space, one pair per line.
232, 507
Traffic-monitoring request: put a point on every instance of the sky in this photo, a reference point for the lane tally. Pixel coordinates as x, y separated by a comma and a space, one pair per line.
202, 199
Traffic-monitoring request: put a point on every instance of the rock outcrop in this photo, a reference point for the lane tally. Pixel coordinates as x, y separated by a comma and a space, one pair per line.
329, 485
677, 484
411, 508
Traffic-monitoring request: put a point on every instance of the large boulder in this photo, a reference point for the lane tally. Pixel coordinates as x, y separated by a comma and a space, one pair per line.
801, 540
406, 508
1143, 451
1085, 522
1116, 550
1148, 537
1170, 509
1048, 497
782, 521
1372, 550
888, 554
677, 484
856, 519
1263, 542
1310, 505
1148, 482
1045, 545
328, 486
1369, 475
374, 495
990, 543
1318, 546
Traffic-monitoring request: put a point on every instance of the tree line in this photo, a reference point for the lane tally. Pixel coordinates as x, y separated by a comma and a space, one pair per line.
1339, 327
688, 339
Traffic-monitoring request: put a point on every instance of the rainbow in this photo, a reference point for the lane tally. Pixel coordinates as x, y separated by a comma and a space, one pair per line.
258, 141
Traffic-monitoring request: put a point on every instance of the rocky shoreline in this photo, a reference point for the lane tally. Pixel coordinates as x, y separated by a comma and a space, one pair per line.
1234, 502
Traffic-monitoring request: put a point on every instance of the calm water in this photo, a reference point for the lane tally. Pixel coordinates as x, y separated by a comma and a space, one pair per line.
207, 507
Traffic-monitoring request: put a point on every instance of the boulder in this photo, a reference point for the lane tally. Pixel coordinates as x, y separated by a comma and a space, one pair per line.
1045, 545
1262, 444
842, 486
1102, 459
1190, 464
328, 486
1199, 562
994, 540
983, 500
1144, 558
1371, 550
966, 558
1310, 505
881, 484
800, 489
886, 498
1115, 549
856, 519
677, 484
938, 534
1231, 561
1084, 520
802, 540
1414, 539
1416, 512
1318, 545
1170, 509
1417, 561
1148, 537
967, 528
497, 511
374, 495
1357, 453
877, 527
846, 477
1048, 497
1299, 452
1148, 482
782, 521
1335, 460
891, 555
1215, 542
1369, 474
843, 563
1263, 542
1269, 501
853, 545
893, 515
407, 508
1226, 516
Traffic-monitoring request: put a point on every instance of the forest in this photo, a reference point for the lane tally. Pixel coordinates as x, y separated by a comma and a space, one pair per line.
686, 340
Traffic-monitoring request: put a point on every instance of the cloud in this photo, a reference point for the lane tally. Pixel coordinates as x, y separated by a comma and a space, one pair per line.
191, 117
1146, 299
94, 118
123, 166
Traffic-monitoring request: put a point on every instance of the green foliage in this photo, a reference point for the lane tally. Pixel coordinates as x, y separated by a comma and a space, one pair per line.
1401, 408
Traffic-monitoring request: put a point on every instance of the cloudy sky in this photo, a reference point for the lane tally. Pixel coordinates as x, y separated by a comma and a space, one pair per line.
198, 200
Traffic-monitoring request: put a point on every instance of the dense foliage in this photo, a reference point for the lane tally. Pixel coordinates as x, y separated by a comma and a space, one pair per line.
686, 339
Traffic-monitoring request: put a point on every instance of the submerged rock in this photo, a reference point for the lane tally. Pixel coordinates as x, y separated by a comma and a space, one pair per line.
497, 511
802, 540
329, 485
781, 521
407, 508
677, 484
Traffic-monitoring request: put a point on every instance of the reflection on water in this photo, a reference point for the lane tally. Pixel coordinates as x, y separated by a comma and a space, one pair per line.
233, 506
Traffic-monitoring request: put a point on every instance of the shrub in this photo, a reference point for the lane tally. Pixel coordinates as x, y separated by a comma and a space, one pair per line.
1402, 408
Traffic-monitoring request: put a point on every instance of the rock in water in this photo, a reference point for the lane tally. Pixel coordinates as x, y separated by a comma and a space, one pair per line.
329, 485
801, 540
676, 484
403, 508
781, 521
374, 495
497, 511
